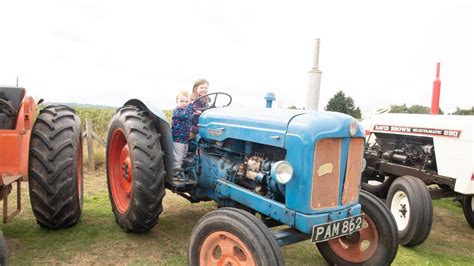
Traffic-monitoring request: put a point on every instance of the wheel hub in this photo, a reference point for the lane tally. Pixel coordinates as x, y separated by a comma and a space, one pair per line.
359, 246
403, 210
120, 171
400, 209
223, 248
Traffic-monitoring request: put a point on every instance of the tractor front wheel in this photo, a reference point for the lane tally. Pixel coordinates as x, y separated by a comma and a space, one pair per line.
468, 206
135, 169
375, 244
410, 203
230, 236
379, 186
55, 168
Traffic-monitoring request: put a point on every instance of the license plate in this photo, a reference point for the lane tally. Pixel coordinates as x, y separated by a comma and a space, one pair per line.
337, 229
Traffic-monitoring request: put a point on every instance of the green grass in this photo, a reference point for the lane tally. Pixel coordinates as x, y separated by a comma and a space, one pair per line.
97, 239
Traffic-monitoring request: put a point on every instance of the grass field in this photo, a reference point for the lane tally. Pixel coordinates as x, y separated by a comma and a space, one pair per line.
97, 239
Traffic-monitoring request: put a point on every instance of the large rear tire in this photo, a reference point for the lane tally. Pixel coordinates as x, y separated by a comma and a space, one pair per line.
468, 207
375, 244
229, 236
410, 203
55, 168
135, 169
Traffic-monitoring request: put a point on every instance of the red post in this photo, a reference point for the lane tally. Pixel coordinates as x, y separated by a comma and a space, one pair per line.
436, 93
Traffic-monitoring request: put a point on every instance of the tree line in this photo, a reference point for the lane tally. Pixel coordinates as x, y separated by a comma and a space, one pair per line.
345, 104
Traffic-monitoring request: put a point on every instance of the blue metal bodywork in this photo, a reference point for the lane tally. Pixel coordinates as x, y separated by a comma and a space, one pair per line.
295, 131
292, 133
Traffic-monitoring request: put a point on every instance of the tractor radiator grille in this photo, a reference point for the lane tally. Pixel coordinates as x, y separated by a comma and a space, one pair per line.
353, 171
326, 175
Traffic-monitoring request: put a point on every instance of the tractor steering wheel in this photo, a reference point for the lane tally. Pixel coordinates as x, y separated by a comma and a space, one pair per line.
206, 98
8, 107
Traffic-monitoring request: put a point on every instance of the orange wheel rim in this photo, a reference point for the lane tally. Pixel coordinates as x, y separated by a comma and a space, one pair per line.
357, 247
120, 171
223, 248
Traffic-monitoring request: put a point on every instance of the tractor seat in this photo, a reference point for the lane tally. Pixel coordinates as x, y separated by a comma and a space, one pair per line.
13, 95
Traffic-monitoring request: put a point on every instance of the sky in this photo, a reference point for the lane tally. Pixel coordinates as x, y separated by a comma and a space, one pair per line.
379, 53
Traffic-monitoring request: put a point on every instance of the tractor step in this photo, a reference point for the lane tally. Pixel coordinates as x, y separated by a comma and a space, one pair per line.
5, 188
178, 182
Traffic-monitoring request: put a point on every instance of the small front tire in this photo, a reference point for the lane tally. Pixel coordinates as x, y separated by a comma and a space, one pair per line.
410, 203
379, 189
468, 207
375, 244
235, 237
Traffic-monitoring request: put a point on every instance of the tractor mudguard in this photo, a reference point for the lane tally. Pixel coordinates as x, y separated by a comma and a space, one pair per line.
164, 128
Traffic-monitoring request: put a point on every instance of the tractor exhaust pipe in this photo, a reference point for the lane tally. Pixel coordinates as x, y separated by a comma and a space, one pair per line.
314, 81
436, 93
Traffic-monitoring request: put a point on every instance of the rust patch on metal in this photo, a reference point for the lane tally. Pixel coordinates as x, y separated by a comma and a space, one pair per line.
353, 171
326, 174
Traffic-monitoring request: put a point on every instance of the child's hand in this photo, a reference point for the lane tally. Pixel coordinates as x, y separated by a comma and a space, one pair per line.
197, 112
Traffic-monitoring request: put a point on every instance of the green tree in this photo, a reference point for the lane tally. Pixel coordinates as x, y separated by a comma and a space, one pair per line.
414, 109
343, 104
460, 111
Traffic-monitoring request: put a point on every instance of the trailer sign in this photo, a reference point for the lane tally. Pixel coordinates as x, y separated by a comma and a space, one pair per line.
419, 131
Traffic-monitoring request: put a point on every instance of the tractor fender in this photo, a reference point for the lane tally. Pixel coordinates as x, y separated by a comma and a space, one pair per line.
163, 127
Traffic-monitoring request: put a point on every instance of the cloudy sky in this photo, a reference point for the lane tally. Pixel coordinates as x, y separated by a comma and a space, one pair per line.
104, 52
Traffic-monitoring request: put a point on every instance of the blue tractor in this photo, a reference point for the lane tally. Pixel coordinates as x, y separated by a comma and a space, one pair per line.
295, 170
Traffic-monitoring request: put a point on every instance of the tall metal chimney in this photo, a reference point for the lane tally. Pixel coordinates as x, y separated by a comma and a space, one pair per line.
314, 81
436, 93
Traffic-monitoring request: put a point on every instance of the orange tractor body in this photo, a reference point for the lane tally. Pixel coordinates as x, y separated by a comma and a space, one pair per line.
14, 145
46, 152
15, 142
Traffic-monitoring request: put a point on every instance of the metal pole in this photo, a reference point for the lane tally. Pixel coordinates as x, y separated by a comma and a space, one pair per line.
436, 93
90, 145
314, 81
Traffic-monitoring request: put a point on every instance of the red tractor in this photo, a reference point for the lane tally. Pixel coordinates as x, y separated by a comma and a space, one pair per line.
47, 152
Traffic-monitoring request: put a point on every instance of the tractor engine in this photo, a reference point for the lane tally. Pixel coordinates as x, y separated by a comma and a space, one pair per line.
244, 163
407, 150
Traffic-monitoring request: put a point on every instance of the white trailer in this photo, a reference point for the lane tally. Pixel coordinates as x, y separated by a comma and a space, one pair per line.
412, 158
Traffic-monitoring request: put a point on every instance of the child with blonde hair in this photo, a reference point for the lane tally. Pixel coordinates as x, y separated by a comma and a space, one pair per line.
181, 122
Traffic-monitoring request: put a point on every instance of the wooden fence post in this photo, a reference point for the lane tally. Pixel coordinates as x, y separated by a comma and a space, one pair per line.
90, 146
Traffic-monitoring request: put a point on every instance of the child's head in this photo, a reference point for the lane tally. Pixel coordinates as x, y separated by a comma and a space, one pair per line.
200, 88
182, 99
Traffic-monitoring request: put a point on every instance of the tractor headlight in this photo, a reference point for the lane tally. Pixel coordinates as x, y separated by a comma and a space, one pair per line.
353, 128
282, 172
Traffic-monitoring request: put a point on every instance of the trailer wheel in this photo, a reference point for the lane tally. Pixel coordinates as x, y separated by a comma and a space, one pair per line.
228, 236
55, 168
468, 207
375, 244
380, 189
135, 170
410, 203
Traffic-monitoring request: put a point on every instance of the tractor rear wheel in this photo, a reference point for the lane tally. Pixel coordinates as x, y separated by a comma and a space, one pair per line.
230, 236
410, 203
375, 244
468, 206
135, 169
55, 168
